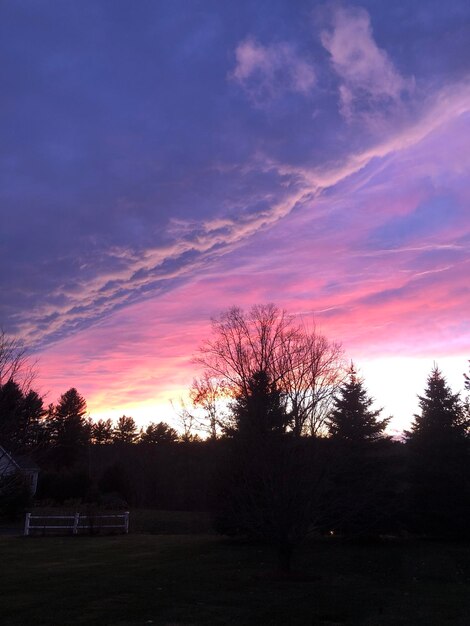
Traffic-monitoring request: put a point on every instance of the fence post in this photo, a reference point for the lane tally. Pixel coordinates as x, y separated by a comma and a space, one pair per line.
75, 523
126, 522
26, 524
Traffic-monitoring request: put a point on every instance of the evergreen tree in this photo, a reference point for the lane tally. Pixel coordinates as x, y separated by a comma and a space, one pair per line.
441, 412
69, 428
362, 498
270, 480
439, 461
352, 419
102, 432
33, 433
21, 413
158, 434
125, 430
11, 404
260, 411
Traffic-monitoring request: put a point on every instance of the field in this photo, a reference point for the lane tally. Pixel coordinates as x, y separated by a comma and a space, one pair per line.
186, 579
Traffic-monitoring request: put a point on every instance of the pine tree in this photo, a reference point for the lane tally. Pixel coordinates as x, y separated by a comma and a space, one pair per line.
21, 413
69, 428
260, 411
441, 411
438, 444
125, 430
160, 433
352, 419
102, 432
267, 484
362, 500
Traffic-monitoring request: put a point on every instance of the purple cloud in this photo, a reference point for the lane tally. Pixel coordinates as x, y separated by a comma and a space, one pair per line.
268, 72
369, 83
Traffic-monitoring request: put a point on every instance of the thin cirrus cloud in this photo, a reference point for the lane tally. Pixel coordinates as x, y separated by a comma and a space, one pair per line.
231, 158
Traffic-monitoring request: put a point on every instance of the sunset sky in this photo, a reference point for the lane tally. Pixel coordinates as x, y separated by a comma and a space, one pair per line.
164, 160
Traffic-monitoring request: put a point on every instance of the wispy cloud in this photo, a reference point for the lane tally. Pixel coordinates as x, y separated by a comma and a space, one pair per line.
268, 72
184, 166
370, 85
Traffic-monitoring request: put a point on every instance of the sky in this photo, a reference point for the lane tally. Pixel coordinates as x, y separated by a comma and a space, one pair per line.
162, 161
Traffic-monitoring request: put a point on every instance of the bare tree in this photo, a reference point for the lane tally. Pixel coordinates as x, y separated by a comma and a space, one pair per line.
188, 423
311, 370
305, 366
15, 362
206, 393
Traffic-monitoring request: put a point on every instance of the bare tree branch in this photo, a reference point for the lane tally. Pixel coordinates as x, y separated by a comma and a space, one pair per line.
305, 366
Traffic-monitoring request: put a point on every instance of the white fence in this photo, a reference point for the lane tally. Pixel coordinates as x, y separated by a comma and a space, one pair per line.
76, 523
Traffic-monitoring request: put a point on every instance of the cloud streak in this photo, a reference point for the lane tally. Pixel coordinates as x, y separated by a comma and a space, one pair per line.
196, 160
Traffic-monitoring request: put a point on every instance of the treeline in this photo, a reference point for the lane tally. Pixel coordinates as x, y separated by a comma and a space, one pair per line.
293, 444
26, 425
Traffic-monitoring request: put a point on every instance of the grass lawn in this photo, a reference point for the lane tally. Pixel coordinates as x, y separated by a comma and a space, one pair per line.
204, 579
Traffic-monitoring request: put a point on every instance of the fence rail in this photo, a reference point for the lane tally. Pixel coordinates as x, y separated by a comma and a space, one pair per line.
76, 522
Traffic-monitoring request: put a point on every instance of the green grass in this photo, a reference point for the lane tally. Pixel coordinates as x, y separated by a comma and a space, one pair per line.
204, 579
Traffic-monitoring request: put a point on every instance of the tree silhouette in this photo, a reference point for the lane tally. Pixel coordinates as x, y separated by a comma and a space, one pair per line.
305, 367
160, 433
206, 393
260, 412
69, 429
361, 493
125, 430
352, 419
21, 413
102, 432
439, 461
15, 363
270, 483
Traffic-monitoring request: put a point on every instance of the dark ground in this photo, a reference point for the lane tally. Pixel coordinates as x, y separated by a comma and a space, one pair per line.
204, 579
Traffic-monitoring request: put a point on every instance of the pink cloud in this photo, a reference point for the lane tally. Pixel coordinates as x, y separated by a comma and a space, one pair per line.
367, 74
266, 72
405, 294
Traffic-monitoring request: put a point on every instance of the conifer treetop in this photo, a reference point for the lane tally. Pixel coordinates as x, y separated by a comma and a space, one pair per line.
353, 419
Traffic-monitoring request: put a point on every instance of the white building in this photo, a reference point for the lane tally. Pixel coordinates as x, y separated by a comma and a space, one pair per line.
12, 464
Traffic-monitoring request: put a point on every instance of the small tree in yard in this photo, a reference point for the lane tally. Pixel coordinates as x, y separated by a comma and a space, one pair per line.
270, 484
439, 461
